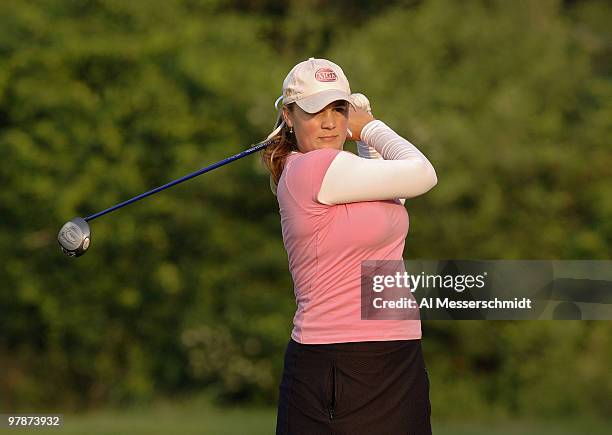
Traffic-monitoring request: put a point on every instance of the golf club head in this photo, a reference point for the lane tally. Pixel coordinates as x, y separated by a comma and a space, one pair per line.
74, 237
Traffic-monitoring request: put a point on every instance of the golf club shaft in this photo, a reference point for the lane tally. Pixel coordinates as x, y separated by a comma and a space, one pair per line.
244, 153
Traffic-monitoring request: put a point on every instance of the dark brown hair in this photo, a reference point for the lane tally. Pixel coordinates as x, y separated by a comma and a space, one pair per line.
275, 154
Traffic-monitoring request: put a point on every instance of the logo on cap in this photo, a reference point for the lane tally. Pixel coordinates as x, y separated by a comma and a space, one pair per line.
326, 75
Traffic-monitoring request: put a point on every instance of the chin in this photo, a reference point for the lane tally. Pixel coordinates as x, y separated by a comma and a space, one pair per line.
336, 145
333, 146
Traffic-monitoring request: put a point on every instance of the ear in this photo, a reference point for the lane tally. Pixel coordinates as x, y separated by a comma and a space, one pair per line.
286, 117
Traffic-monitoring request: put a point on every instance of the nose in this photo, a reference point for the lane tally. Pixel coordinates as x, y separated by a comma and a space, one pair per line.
328, 122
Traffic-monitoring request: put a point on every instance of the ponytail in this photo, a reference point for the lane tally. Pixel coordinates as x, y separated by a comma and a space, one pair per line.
275, 154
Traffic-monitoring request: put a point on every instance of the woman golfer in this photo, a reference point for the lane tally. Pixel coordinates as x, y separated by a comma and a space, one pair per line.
342, 374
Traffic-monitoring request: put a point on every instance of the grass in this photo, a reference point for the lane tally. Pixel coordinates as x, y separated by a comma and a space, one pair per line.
523, 428
198, 416
185, 417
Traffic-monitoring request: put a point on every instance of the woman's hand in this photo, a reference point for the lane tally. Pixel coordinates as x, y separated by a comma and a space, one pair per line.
358, 118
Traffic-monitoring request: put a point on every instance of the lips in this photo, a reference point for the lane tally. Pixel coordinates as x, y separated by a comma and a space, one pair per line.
328, 138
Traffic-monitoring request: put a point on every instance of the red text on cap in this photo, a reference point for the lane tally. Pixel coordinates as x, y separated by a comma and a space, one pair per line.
326, 75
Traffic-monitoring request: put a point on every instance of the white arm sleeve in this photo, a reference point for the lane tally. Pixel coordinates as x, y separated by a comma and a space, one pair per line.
366, 151
404, 173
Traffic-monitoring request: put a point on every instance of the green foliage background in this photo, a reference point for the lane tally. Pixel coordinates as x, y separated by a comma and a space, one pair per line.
102, 100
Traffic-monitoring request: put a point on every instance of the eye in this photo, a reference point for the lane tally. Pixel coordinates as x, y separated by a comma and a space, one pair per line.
341, 109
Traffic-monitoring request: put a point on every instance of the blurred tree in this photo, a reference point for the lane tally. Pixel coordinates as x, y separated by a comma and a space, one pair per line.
505, 101
100, 101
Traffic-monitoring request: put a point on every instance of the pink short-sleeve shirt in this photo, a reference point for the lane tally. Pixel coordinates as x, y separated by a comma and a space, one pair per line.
326, 245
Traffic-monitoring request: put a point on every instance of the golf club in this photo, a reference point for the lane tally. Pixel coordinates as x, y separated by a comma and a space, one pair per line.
74, 237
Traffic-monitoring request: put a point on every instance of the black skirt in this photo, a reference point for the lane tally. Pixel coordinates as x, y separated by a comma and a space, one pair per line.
372, 387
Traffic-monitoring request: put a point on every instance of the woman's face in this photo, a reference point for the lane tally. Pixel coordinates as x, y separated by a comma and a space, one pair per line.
324, 129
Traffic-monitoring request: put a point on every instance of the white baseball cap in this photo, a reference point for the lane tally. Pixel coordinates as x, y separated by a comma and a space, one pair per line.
315, 83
